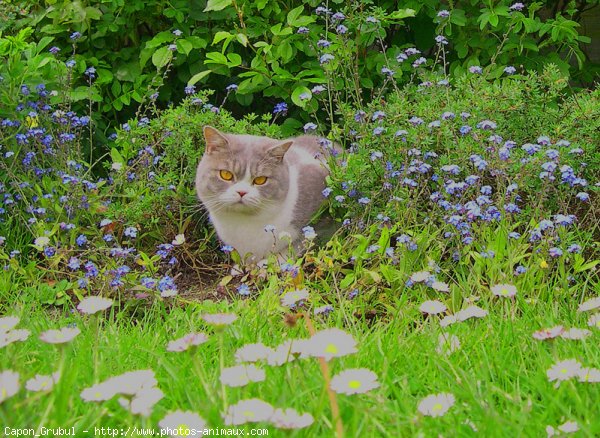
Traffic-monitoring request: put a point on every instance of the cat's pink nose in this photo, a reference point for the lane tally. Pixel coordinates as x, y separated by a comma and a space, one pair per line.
242, 193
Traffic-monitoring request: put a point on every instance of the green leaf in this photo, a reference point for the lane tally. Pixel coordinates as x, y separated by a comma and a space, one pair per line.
301, 91
159, 39
401, 14
184, 46
215, 58
161, 57
217, 5
234, 60
242, 39
198, 76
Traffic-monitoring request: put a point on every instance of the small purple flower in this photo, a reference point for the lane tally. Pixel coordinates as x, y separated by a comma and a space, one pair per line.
364, 201
514, 235
280, 108
90, 72
81, 240
341, 29
378, 130
475, 69
326, 58
517, 7
74, 263
130, 232
443, 14
75, 36
520, 270
318, 89
303, 30
510, 70
310, 127
227, 249
231, 87
323, 44
555, 252
583, 196
574, 248
172, 47
190, 89
54, 50
177, 33
327, 191
441, 40
243, 290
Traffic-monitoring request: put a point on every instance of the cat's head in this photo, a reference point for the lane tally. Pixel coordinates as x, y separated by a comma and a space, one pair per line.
242, 173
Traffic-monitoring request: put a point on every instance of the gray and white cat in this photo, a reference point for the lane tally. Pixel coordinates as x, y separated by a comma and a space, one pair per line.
247, 182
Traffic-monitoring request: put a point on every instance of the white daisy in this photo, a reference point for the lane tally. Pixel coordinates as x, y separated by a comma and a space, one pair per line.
252, 353
181, 424
186, 342
420, 276
432, 307
589, 375
129, 383
563, 370
471, 312
8, 322
440, 286
248, 411
293, 297
65, 334
291, 419
9, 384
354, 381
11, 336
436, 405
594, 320
41, 383
241, 375
91, 305
330, 343
504, 290
219, 318
549, 333
448, 320
288, 351
143, 401
575, 333
591, 304
179, 240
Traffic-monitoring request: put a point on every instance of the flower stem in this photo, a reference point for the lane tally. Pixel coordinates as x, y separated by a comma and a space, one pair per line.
335, 408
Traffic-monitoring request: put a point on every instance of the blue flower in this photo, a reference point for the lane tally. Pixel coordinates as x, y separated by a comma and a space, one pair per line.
583, 196
130, 232
555, 252
75, 36
81, 240
243, 290
326, 58
280, 108
510, 70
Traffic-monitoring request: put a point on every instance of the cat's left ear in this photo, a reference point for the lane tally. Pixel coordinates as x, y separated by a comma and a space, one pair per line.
279, 151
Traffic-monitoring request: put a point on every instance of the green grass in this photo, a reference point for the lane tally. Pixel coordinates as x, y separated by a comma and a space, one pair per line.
498, 375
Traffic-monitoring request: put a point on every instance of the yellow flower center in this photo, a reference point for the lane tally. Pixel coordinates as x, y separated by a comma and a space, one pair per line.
248, 414
543, 264
354, 384
437, 407
44, 384
564, 371
59, 336
504, 291
331, 348
3, 394
98, 394
183, 430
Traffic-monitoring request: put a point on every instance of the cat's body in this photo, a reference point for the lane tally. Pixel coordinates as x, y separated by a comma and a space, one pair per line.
229, 182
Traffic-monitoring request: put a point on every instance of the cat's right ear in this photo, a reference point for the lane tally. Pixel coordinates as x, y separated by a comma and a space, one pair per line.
214, 139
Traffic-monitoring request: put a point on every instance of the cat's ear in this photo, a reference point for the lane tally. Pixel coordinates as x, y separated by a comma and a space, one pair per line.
214, 139
279, 151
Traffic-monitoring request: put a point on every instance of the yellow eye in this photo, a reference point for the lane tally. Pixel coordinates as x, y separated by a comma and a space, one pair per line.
226, 175
260, 180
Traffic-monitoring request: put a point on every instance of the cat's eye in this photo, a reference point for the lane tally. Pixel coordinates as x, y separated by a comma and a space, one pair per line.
226, 175
260, 180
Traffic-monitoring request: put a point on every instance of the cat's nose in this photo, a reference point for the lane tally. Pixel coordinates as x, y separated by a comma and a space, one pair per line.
242, 193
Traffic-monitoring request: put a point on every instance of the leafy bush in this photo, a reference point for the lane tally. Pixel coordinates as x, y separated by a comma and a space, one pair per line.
274, 50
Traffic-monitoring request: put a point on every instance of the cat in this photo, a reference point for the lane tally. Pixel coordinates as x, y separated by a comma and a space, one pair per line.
260, 192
